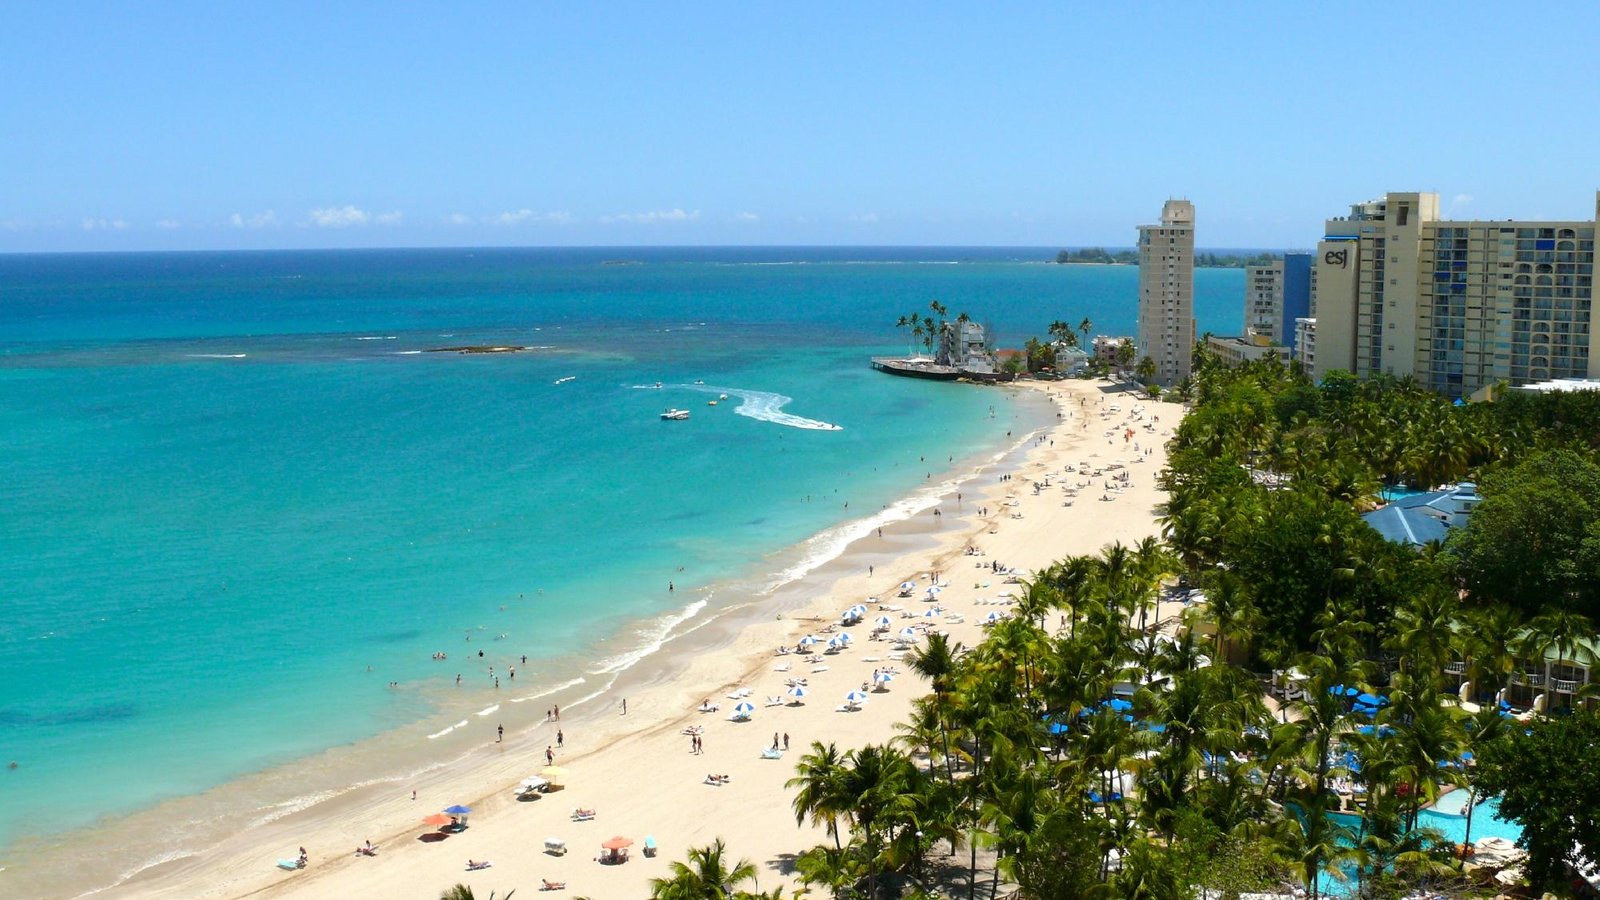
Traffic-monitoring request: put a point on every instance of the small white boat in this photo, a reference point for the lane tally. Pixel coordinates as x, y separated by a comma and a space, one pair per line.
711, 403
675, 415
566, 379
722, 396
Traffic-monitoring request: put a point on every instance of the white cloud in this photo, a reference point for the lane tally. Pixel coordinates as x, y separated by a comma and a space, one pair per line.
1460, 200
168, 224
524, 216
864, 218
746, 217
457, 219
339, 217
389, 218
266, 219
652, 217
102, 224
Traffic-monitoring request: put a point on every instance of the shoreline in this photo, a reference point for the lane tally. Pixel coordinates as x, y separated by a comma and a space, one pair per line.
634, 769
642, 653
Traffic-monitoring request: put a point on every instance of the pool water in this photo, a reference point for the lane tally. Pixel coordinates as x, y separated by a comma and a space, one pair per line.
1448, 817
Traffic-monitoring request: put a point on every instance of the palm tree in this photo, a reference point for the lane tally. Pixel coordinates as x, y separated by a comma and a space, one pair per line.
820, 798
464, 892
706, 876
936, 661
871, 786
1084, 327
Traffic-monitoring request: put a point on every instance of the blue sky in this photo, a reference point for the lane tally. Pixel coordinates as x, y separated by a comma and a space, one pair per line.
234, 125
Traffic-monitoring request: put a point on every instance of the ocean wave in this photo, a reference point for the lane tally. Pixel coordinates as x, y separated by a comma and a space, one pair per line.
215, 355
151, 863
656, 635
766, 406
572, 682
489, 710
384, 337
831, 543
408, 353
440, 734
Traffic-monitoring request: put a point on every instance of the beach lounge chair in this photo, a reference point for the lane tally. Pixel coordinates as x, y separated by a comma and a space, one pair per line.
555, 846
771, 753
782, 667
583, 815
774, 701
709, 707
474, 865
649, 847
290, 864
548, 885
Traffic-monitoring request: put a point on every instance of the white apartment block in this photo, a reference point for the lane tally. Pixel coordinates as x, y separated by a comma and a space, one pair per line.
1263, 300
1459, 305
1166, 291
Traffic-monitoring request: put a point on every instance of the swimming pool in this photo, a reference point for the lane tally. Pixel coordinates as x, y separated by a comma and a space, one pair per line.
1448, 817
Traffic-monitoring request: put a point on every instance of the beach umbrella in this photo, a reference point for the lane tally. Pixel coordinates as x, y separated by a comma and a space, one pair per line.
617, 843
834, 643
909, 634
436, 819
855, 697
858, 610
932, 613
883, 677
844, 637
882, 621
556, 774
797, 691
744, 708
458, 810
906, 585
935, 589
993, 617
808, 641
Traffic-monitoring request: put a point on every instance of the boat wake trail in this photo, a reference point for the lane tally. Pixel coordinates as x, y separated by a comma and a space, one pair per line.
766, 406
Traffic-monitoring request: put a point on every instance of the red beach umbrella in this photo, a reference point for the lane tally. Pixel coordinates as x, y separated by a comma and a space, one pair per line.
617, 843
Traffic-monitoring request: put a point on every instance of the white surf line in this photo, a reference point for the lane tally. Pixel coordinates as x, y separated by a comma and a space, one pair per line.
765, 406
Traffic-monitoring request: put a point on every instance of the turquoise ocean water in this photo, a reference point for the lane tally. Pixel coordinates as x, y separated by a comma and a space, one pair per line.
232, 484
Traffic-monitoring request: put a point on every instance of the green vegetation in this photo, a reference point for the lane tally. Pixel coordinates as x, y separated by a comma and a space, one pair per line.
1100, 256
1108, 742
927, 330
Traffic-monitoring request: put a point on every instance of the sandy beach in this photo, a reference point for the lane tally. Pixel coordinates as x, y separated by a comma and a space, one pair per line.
638, 771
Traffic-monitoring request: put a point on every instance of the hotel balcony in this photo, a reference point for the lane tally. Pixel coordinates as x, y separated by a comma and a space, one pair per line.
1564, 686
1528, 679
1455, 668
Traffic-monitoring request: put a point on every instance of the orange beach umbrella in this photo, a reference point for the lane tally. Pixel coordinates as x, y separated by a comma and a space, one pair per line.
617, 843
436, 819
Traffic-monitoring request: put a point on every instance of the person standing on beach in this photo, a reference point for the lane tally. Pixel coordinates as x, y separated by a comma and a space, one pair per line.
558, 712
786, 740
500, 733
549, 756
560, 738
624, 705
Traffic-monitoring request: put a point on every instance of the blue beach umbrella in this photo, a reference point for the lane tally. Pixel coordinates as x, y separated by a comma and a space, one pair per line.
883, 677
844, 636
907, 586
798, 691
808, 641
744, 709
855, 697
909, 634
458, 810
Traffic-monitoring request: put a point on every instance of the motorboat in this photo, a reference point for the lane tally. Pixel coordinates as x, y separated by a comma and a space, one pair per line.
675, 415
711, 403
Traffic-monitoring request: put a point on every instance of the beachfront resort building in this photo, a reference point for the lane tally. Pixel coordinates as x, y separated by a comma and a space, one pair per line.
1417, 519
1305, 343
1166, 291
1235, 351
1275, 295
1458, 305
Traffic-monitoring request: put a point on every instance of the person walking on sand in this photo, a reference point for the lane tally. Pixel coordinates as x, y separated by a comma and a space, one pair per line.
624, 705
774, 740
500, 733
549, 756
560, 738
786, 740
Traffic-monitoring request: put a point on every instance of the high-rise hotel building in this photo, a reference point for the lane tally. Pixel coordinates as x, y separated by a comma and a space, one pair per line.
1459, 305
1166, 291
1275, 295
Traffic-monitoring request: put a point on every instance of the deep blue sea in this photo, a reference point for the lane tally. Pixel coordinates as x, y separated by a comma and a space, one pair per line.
230, 483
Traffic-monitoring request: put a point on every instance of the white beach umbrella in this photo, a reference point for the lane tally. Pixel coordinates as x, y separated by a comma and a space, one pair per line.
834, 643
744, 708
932, 613
883, 677
906, 586
855, 697
857, 611
808, 641
798, 691
993, 617
882, 621
934, 590
909, 634
844, 637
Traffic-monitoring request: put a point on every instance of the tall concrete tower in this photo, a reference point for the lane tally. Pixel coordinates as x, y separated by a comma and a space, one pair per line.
1166, 291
